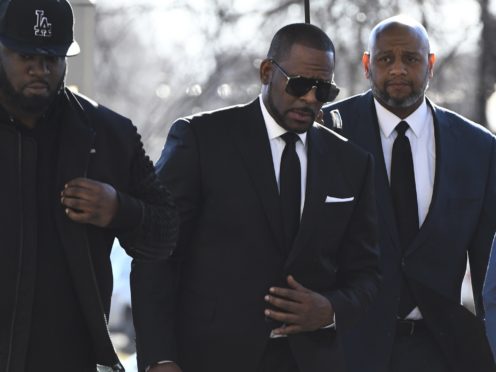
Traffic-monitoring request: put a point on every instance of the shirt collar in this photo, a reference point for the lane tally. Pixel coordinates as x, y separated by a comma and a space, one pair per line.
388, 121
274, 130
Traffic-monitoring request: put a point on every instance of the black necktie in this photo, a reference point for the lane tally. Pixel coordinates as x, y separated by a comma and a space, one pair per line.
405, 204
290, 188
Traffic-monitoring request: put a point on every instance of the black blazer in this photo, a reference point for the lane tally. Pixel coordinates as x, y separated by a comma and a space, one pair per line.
461, 220
230, 251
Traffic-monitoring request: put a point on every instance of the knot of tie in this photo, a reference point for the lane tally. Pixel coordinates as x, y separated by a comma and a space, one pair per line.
401, 128
290, 138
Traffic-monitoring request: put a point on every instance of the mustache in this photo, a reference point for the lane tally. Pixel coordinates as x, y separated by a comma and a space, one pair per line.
306, 110
397, 81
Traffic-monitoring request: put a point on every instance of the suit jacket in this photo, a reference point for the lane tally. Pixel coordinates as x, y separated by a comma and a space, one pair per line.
461, 220
230, 251
97, 143
489, 296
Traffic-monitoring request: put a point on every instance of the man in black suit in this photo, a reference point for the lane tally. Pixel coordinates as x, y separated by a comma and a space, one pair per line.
266, 264
435, 179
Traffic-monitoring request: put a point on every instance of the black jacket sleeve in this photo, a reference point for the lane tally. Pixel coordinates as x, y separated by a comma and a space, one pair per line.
146, 221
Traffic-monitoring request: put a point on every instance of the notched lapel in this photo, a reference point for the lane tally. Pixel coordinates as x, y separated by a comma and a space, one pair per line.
251, 139
324, 177
366, 135
445, 138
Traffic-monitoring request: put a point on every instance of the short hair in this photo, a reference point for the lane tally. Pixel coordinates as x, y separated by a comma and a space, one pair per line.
299, 33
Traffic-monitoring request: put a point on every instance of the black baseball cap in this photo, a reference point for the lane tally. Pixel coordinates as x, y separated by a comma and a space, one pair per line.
38, 27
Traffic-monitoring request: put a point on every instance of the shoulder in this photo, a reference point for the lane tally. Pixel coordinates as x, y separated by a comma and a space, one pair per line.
347, 108
95, 110
109, 126
220, 117
336, 142
350, 103
329, 134
461, 126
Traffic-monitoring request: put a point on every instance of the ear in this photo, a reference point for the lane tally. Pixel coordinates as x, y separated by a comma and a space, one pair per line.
432, 60
265, 71
366, 63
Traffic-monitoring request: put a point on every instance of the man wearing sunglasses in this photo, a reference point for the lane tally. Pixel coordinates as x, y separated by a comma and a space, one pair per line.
436, 194
277, 246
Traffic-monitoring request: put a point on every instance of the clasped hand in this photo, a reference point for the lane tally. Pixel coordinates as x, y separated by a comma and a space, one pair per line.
299, 308
89, 201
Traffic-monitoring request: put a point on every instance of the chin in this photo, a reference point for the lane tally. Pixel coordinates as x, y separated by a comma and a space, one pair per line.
300, 128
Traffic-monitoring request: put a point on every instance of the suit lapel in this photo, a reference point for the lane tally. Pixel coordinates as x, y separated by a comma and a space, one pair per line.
445, 138
322, 170
365, 133
250, 136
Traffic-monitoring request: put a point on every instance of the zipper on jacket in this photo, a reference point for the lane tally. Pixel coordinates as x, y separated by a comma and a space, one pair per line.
21, 248
117, 366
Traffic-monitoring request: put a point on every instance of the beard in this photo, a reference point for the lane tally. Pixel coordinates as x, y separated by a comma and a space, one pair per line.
280, 117
383, 96
30, 105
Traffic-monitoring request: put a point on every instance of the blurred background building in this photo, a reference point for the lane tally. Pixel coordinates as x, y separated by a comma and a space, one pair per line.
157, 60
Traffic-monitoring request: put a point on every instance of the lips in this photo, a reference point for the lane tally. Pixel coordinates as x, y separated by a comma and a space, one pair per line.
397, 83
302, 114
37, 87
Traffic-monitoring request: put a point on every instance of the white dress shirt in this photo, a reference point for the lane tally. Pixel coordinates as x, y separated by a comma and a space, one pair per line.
423, 145
277, 144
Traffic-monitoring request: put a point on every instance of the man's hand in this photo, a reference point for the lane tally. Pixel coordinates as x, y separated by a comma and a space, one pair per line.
301, 309
89, 201
165, 367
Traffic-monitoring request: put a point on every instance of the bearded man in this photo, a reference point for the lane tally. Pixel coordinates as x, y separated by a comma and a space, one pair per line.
74, 177
435, 180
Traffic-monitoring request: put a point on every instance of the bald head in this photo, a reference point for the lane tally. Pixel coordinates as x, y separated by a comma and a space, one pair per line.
400, 23
399, 64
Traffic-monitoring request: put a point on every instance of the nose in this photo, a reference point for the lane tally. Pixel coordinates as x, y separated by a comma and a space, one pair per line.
398, 67
39, 66
310, 96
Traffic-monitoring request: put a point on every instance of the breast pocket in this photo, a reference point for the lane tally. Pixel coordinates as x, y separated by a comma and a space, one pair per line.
334, 216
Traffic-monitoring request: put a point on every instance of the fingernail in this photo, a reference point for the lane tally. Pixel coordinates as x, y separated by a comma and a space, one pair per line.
272, 290
267, 312
267, 298
67, 211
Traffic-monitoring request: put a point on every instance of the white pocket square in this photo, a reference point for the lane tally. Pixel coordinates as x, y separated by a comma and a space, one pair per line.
332, 199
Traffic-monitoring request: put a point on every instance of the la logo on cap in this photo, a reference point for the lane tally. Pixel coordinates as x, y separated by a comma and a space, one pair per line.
42, 27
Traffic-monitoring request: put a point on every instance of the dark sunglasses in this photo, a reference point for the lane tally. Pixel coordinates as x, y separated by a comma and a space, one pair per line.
298, 86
